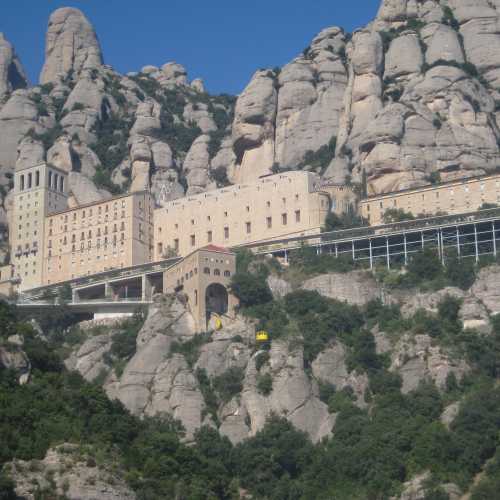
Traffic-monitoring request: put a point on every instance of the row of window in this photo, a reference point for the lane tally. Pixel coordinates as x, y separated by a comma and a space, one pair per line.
206, 270
248, 225
89, 234
89, 242
436, 193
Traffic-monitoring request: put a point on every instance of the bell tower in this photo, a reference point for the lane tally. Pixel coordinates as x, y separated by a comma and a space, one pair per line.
38, 191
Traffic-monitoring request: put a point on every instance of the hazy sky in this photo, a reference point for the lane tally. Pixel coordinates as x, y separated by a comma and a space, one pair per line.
221, 41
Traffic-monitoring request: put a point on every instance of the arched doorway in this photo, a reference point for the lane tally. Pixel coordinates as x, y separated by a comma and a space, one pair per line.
216, 299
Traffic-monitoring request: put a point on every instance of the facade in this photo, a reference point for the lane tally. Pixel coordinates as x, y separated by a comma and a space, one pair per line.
38, 191
454, 197
90, 239
204, 277
51, 243
275, 206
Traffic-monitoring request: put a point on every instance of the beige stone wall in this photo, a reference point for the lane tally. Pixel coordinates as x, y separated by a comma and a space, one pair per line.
7, 285
38, 191
94, 238
194, 274
452, 198
273, 207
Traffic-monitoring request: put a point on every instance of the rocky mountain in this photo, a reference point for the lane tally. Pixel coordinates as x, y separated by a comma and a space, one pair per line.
408, 99
363, 371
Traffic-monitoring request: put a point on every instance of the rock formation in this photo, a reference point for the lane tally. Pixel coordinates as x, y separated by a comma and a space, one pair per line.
71, 45
68, 471
12, 75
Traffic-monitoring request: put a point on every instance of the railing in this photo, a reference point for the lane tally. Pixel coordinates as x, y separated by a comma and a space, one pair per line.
372, 231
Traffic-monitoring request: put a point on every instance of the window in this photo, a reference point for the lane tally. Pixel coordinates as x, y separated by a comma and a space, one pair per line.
192, 222
196, 297
297, 215
225, 214
122, 226
160, 248
209, 236
226, 233
227, 274
30, 179
248, 208
192, 238
216, 272
176, 244
61, 183
206, 270
381, 205
22, 182
284, 219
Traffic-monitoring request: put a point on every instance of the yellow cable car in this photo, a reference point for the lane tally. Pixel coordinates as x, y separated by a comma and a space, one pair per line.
218, 323
262, 336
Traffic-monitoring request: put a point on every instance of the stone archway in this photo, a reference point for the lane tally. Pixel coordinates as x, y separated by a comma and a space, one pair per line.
216, 299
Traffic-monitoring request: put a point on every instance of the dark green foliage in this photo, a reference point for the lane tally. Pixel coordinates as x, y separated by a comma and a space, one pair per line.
349, 220
219, 175
269, 463
123, 344
111, 148
321, 158
208, 393
264, 384
250, 289
310, 263
435, 177
7, 488
396, 215
229, 383
47, 138
323, 319
424, 266
40, 104
191, 348
261, 359
449, 18
78, 106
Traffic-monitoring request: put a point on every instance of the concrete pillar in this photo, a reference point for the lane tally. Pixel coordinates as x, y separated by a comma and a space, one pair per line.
146, 288
108, 291
74, 296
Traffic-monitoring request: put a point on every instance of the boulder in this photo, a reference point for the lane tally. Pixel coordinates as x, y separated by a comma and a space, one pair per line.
486, 288
417, 360
330, 366
12, 75
17, 117
254, 128
30, 153
196, 165
357, 287
404, 56
71, 45
73, 475
278, 286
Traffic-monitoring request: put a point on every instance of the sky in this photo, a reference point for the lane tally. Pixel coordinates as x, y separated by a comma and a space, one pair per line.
222, 41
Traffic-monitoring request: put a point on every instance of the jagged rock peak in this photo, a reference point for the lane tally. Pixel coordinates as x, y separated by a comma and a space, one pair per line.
71, 45
12, 75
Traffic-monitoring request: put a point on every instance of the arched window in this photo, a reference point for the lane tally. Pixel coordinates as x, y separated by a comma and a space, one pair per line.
227, 274
216, 272
206, 270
